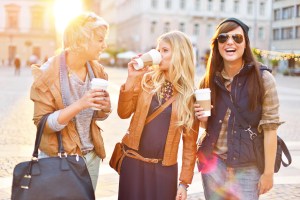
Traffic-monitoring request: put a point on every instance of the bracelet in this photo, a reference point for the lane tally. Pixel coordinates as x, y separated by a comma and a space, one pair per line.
183, 186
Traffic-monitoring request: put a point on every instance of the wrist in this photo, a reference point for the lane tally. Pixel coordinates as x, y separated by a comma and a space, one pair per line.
184, 186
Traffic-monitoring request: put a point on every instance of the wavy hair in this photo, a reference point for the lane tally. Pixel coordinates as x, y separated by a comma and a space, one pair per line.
81, 29
216, 64
181, 74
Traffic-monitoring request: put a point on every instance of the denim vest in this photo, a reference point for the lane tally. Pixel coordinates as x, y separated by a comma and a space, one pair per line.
240, 149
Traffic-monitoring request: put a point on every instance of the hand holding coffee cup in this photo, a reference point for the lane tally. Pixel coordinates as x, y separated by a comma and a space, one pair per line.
204, 100
98, 83
152, 57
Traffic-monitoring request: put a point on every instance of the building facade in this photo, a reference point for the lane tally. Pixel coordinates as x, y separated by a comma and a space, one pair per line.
286, 26
27, 30
139, 23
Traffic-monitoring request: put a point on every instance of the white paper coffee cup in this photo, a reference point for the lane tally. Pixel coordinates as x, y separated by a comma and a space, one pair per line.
152, 57
203, 98
99, 83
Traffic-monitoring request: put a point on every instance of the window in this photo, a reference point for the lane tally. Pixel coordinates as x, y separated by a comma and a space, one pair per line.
298, 11
196, 29
276, 14
236, 6
209, 5
182, 4
154, 3
209, 30
262, 7
276, 34
222, 5
250, 7
182, 27
37, 17
197, 4
152, 27
287, 33
261, 33
167, 27
168, 4
297, 32
287, 13
12, 19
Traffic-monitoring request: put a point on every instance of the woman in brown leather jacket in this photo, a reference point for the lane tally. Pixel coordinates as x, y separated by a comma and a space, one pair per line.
153, 173
62, 87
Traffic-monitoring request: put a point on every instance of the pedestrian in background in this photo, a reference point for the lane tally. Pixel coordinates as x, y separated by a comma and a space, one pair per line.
17, 63
62, 87
144, 91
226, 156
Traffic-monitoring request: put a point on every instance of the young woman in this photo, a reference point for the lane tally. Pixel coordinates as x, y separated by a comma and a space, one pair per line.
226, 153
62, 87
144, 91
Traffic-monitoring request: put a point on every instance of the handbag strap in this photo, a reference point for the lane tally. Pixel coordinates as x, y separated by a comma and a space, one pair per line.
228, 101
38, 138
160, 109
285, 151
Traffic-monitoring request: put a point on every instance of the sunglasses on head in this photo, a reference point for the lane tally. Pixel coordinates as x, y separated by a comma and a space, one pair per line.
223, 37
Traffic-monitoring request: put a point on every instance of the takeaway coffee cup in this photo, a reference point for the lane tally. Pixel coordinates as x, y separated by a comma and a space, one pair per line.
203, 99
98, 83
152, 57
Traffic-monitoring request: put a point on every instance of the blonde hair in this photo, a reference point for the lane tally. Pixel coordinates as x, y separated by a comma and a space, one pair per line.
81, 29
181, 74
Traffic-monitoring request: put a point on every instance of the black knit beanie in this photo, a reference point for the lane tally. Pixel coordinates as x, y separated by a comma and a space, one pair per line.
237, 21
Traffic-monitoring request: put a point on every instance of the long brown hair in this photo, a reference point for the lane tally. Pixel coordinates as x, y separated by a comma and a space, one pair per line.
216, 64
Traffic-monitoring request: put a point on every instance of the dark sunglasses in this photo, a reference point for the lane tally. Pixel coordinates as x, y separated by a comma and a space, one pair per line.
223, 37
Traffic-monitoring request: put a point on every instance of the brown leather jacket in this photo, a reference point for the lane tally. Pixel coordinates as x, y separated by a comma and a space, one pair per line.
138, 101
46, 95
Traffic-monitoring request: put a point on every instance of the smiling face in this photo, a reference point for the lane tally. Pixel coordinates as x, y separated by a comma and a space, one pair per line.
97, 45
231, 51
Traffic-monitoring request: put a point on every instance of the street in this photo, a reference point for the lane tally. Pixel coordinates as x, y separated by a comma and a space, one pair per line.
17, 134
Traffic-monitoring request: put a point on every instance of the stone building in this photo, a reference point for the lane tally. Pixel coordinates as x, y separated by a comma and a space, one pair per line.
137, 23
26, 30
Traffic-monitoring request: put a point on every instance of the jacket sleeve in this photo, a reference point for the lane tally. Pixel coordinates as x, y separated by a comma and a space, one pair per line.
127, 101
43, 104
189, 154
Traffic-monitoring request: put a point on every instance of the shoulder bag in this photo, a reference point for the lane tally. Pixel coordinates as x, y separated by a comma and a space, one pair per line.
62, 177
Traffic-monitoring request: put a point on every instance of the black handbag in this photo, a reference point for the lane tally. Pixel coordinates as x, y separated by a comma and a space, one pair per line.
258, 141
62, 177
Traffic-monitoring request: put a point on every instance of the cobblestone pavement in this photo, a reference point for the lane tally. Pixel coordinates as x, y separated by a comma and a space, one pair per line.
17, 134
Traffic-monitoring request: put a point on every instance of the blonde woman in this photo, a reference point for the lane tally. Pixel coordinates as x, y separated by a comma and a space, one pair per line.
62, 88
144, 91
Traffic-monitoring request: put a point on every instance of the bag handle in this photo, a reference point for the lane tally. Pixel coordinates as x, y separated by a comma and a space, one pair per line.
160, 109
285, 151
38, 138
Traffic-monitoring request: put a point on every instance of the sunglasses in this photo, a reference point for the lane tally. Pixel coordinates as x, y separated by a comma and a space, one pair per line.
223, 37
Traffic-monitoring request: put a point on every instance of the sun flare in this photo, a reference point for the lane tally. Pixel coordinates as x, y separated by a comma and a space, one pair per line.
64, 10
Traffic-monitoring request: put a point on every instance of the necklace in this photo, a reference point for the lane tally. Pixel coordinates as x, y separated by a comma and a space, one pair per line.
166, 90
